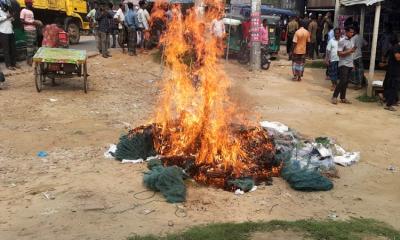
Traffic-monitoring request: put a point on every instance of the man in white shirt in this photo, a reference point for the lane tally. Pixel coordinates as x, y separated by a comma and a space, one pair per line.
120, 18
332, 58
143, 18
218, 30
7, 37
346, 64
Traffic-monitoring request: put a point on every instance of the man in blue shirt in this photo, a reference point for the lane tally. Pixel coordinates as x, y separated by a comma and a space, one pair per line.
131, 24
103, 18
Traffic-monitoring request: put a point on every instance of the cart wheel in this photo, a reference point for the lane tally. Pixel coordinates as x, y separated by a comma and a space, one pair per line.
85, 80
39, 77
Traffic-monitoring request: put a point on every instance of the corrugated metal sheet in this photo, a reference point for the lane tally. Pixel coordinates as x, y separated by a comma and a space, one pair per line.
357, 2
320, 3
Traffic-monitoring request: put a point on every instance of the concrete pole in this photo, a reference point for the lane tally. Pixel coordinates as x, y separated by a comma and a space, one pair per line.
255, 53
336, 17
373, 49
362, 22
229, 32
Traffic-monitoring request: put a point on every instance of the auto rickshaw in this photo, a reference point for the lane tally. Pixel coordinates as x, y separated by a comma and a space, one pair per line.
237, 45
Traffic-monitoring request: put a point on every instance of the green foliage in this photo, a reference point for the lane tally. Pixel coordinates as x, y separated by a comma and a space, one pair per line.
352, 229
315, 64
366, 98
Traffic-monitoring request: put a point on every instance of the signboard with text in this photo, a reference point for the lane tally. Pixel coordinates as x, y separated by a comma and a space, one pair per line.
255, 27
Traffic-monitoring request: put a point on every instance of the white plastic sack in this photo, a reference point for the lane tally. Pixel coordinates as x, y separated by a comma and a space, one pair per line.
347, 159
277, 126
111, 150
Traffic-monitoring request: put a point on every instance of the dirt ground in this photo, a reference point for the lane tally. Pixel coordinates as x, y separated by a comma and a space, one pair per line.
75, 193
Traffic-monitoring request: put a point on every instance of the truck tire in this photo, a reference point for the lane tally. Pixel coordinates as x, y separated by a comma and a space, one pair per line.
73, 33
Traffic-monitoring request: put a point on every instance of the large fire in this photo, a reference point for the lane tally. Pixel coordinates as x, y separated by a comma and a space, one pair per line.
196, 120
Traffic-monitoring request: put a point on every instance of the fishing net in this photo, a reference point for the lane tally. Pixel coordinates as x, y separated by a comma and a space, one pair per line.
136, 144
167, 180
304, 179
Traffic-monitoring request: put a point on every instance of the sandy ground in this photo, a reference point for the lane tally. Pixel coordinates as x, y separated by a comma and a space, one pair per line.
75, 193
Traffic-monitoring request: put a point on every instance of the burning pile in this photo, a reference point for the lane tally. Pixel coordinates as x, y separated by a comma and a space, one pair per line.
197, 127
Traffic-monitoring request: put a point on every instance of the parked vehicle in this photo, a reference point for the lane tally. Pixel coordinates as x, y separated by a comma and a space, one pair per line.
73, 13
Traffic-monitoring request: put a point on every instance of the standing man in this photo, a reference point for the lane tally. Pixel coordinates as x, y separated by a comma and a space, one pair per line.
300, 40
91, 16
320, 22
218, 30
103, 18
264, 33
28, 20
131, 24
392, 78
7, 37
113, 25
358, 73
332, 58
120, 18
346, 64
246, 25
292, 27
313, 28
143, 18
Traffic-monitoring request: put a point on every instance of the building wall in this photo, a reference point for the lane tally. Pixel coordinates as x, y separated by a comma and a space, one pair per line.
296, 5
320, 3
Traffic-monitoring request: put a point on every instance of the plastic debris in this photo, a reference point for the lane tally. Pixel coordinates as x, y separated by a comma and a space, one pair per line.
239, 192
111, 151
391, 168
42, 154
347, 159
277, 126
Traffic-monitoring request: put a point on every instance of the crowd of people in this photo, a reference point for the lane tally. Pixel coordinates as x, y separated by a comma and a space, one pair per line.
307, 38
316, 37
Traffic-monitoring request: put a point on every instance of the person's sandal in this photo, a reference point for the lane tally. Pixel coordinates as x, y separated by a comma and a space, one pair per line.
391, 108
345, 101
334, 101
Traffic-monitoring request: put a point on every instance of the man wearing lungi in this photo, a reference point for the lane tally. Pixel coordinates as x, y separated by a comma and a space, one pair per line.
28, 19
300, 40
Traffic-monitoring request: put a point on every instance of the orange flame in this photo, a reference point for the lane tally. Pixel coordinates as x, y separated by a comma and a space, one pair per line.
195, 112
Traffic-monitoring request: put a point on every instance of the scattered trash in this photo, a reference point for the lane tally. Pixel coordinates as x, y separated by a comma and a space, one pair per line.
391, 168
239, 192
53, 100
132, 161
347, 159
277, 126
42, 154
333, 216
170, 223
48, 196
253, 189
49, 211
147, 211
111, 151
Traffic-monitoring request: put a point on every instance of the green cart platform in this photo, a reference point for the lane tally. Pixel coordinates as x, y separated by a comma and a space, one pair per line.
55, 63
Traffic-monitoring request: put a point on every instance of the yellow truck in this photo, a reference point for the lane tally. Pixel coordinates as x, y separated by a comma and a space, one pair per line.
72, 12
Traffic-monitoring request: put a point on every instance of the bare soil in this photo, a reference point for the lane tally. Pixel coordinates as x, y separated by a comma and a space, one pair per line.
75, 193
